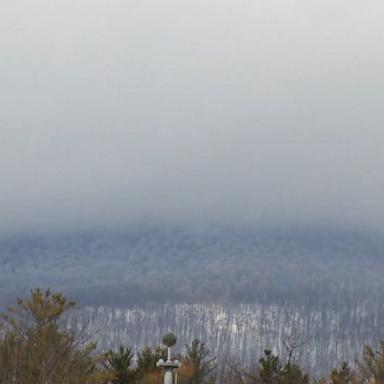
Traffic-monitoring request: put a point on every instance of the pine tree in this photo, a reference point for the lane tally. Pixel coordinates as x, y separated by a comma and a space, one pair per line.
272, 371
293, 374
270, 368
146, 371
35, 350
197, 362
342, 375
121, 363
371, 365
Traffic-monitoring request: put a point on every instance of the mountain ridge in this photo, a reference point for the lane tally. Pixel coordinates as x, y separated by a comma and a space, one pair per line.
180, 264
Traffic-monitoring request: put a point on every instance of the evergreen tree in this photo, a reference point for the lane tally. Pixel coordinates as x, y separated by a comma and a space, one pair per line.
293, 374
121, 363
197, 362
273, 372
270, 368
146, 371
35, 350
371, 365
342, 375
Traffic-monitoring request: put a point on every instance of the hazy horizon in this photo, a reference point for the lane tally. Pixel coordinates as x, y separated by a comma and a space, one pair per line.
265, 113
203, 167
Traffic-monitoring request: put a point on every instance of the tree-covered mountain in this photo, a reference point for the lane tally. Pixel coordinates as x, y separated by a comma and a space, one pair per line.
181, 264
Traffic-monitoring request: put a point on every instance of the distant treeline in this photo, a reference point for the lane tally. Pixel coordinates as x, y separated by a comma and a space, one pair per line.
189, 265
243, 331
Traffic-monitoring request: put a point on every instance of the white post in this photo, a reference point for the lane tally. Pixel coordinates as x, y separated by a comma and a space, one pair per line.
170, 366
168, 376
169, 354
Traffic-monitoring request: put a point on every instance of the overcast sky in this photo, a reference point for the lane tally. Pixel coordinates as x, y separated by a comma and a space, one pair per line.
121, 111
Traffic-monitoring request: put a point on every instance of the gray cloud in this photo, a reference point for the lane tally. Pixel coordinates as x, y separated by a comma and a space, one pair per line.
247, 111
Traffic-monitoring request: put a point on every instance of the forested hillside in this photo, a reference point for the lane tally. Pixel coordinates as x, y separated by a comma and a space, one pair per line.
43, 340
241, 290
217, 265
242, 332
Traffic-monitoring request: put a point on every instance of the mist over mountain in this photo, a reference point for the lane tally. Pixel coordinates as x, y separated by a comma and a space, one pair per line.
246, 138
196, 264
146, 111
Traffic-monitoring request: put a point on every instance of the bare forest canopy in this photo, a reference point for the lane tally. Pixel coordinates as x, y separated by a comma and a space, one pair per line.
216, 264
39, 344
